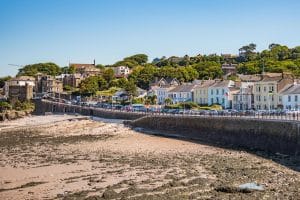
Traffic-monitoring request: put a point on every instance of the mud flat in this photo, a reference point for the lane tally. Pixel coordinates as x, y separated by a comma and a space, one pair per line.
69, 157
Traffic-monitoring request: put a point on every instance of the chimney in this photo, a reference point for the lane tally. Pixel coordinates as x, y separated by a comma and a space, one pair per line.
94, 62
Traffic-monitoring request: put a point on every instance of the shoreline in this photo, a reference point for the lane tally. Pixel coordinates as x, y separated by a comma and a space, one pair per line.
59, 156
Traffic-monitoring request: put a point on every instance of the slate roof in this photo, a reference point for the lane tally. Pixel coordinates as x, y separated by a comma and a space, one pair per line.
293, 89
223, 83
250, 78
205, 83
183, 88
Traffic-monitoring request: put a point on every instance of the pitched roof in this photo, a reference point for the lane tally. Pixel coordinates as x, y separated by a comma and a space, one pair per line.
23, 78
183, 88
291, 89
223, 83
250, 78
205, 83
229, 66
167, 81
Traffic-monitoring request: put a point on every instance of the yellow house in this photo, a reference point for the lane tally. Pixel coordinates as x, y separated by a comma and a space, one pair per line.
266, 92
201, 92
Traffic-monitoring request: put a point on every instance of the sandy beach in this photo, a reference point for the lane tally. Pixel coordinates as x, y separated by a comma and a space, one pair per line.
74, 157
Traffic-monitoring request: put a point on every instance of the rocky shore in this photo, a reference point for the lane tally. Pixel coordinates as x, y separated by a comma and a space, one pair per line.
14, 114
68, 157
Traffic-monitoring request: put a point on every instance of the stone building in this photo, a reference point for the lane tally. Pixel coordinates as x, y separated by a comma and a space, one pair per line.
20, 88
48, 84
86, 69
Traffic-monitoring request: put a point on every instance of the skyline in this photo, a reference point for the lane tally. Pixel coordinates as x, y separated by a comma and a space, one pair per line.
107, 31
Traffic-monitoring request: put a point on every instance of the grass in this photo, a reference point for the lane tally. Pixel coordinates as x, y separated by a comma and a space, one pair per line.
111, 91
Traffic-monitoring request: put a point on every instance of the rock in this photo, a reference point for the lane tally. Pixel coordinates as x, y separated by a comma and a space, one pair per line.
109, 194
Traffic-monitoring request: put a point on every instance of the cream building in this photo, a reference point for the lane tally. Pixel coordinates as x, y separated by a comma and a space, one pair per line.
266, 92
201, 92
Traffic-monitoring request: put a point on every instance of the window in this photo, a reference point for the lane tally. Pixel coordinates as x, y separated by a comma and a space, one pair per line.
223, 91
265, 98
296, 98
289, 98
223, 100
217, 91
212, 100
265, 89
211, 92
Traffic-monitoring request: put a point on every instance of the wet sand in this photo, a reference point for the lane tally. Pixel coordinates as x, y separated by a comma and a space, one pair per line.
68, 157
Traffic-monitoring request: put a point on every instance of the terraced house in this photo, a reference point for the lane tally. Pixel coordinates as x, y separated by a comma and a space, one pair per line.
266, 92
182, 93
161, 87
201, 92
221, 93
291, 97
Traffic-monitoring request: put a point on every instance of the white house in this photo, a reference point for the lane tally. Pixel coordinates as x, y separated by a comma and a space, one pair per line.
221, 93
182, 93
244, 98
121, 71
291, 98
161, 87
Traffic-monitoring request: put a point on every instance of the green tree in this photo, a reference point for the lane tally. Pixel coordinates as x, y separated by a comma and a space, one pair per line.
168, 101
3, 80
5, 106
122, 82
138, 58
89, 86
247, 52
146, 75
131, 88
44, 68
102, 84
72, 70
108, 74
208, 70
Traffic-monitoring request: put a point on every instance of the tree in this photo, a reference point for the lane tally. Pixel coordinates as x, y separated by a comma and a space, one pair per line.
122, 82
3, 80
109, 74
138, 58
101, 67
89, 86
5, 106
44, 68
72, 70
131, 88
247, 52
146, 75
208, 70
249, 68
102, 84
168, 101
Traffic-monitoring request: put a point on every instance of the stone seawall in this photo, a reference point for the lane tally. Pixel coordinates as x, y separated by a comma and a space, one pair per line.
255, 134
44, 106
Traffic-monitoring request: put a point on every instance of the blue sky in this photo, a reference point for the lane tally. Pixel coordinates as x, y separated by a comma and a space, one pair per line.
60, 31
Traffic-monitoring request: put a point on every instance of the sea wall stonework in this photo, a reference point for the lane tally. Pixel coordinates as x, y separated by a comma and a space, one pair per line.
255, 134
